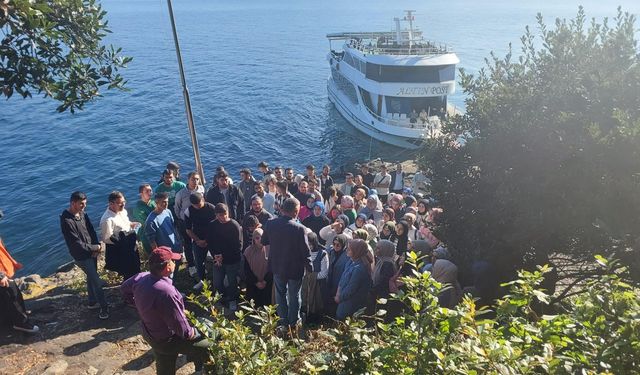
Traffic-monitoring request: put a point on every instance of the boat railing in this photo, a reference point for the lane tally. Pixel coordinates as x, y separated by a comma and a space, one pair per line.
432, 123
428, 48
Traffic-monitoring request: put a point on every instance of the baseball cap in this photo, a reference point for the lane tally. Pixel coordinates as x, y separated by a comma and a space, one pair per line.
162, 254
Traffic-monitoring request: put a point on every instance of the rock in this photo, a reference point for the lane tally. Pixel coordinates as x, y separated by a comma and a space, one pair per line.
56, 368
92, 370
34, 279
66, 267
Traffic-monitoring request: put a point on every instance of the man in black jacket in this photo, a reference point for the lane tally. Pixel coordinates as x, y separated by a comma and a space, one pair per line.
224, 192
288, 251
397, 180
82, 241
259, 212
224, 241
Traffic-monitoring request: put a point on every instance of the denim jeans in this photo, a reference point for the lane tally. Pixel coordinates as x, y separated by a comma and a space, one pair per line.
94, 283
288, 299
200, 255
231, 292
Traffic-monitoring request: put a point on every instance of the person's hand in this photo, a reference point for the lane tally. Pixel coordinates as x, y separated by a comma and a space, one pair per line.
336, 299
217, 260
195, 336
4, 282
201, 243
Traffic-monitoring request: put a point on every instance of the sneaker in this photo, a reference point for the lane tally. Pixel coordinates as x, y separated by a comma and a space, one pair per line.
104, 313
93, 306
233, 306
193, 271
198, 286
28, 328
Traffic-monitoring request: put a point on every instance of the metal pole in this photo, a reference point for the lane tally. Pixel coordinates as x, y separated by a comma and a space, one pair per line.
187, 100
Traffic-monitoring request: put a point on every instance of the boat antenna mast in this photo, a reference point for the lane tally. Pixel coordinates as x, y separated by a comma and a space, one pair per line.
409, 17
187, 100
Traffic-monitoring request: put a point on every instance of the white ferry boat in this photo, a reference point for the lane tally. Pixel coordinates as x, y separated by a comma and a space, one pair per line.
392, 85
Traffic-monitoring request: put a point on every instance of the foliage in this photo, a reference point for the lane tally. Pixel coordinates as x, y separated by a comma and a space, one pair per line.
54, 47
236, 348
546, 160
599, 332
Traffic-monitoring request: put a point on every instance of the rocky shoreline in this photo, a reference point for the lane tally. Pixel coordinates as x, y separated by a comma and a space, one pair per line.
72, 340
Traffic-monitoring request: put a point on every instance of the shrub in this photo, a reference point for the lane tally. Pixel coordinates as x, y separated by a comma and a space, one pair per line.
598, 332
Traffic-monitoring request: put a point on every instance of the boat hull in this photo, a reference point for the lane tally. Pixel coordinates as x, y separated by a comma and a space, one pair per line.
355, 117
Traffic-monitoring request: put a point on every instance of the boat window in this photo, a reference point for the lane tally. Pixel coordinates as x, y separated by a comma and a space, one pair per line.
345, 86
348, 59
433, 105
418, 74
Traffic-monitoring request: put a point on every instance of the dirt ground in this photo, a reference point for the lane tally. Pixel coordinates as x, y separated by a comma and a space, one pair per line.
73, 340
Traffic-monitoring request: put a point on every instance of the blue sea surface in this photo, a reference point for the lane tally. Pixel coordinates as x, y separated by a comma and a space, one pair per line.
257, 74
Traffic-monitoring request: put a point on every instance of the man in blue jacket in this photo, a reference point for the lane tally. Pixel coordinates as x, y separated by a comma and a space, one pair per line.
288, 251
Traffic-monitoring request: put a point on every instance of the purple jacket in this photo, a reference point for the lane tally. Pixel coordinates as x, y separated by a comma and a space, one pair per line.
159, 305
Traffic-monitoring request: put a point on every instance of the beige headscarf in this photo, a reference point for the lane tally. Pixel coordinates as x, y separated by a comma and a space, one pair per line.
257, 259
360, 251
386, 253
445, 272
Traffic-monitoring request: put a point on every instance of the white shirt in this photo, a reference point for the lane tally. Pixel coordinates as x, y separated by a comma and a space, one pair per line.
399, 181
113, 223
183, 200
385, 181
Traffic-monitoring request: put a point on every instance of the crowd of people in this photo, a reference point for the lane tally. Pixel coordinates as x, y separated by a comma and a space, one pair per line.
310, 246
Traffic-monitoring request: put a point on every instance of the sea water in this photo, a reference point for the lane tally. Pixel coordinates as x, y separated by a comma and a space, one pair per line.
256, 71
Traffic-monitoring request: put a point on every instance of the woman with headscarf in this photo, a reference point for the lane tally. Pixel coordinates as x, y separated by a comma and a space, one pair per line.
410, 219
387, 216
355, 283
314, 282
340, 226
332, 198
388, 231
446, 273
347, 203
258, 278
402, 238
338, 262
361, 220
317, 220
373, 234
385, 268
362, 234
425, 224
422, 217
306, 206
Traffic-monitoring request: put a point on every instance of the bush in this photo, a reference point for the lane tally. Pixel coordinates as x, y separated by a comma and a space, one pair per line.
598, 332
546, 160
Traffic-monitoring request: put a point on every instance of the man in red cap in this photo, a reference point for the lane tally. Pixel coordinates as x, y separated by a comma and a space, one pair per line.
161, 309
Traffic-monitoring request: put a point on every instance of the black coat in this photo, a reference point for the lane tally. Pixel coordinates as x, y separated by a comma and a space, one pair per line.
122, 256
235, 203
393, 180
